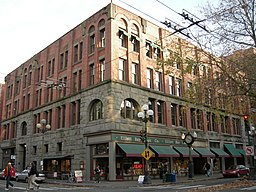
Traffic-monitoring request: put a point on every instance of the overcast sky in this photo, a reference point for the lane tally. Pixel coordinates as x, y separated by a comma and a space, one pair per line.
28, 26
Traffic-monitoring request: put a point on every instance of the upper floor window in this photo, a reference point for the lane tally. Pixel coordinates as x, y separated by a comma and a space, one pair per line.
102, 69
149, 78
29, 75
123, 37
122, 69
92, 39
129, 109
160, 112
96, 111
148, 49
92, 73
178, 87
135, 73
174, 114
102, 33
23, 128
158, 81
171, 85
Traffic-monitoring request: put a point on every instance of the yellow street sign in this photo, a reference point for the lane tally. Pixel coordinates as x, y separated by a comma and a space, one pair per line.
147, 154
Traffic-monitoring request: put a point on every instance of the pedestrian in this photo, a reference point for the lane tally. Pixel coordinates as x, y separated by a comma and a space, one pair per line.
32, 177
207, 168
9, 172
97, 174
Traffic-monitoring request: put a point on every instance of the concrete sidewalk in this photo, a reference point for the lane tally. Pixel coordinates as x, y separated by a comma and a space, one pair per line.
179, 179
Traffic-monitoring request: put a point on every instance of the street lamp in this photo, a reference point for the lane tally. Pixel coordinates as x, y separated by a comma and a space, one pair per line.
189, 139
252, 133
43, 127
145, 117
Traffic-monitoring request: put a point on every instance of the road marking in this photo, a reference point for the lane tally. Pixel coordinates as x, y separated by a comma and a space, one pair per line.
248, 188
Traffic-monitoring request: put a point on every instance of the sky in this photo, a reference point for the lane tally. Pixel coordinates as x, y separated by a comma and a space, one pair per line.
28, 26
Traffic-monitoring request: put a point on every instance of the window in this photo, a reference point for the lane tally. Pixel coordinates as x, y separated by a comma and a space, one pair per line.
75, 82
73, 113
23, 128
101, 27
129, 109
92, 44
66, 59
160, 112
91, 80
148, 49
75, 53
79, 86
25, 78
96, 111
193, 118
63, 115
46, 148
200, 119
135, 73
102, 38
182, 115
59, 146
158, 81
174, 114
61, 61
171, 85
178, 87
208, 118
58, 117
29, 75
34, 150
135, 43
149, 78
122, 69
123, 38
156, 52
102, 69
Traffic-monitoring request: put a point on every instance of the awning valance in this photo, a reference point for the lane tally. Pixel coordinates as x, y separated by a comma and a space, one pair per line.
184, 151
164, 151
219, 152
232, 150
59, 157
204, 152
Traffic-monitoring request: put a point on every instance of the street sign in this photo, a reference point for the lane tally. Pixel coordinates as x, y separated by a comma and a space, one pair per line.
249, 151
147, 154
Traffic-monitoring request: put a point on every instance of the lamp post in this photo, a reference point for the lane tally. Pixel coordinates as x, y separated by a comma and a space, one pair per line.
145, 117
189, 139
43, 128
251, 142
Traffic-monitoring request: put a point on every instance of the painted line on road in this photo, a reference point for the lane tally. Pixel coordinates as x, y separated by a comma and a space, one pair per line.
248, 188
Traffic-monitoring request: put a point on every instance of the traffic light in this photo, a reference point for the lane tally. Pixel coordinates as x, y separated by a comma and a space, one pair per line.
143, 136
246, 122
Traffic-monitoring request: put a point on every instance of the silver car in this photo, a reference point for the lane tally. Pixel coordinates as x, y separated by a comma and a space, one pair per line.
23, 176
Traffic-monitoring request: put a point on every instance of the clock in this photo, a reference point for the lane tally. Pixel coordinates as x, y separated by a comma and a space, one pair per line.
189, 139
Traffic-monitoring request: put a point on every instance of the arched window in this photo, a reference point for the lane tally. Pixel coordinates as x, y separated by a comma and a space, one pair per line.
92, 39
30, 75
102, 32
96, 111
23, 128
129, 109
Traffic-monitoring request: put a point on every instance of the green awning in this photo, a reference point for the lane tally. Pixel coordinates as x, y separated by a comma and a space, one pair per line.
232, 150
132, 150
242, 152
164, 151
204, 152
219, 152
184, 151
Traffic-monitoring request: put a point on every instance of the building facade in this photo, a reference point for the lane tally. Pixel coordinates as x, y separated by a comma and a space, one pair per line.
90, 84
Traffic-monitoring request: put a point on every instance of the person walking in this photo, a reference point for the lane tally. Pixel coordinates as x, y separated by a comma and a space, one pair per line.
207, 168
32, 176
9, 172
97, 174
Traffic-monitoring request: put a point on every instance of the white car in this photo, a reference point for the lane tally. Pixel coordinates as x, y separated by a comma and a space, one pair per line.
23, 176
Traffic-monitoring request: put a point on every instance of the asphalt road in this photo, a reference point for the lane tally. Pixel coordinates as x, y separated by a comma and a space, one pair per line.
177, 187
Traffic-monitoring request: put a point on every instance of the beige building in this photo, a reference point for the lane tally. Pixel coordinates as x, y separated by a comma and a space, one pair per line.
90, 84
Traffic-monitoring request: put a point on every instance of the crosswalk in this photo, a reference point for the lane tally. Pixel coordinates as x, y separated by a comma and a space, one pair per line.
183, 187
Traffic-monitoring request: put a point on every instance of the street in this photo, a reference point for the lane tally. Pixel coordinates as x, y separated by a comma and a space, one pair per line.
198, 186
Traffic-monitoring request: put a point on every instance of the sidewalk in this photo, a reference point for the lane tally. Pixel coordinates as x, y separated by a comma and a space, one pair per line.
179, 180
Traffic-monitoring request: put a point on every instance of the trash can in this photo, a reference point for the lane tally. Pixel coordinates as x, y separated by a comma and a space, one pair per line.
172, 177
167, 177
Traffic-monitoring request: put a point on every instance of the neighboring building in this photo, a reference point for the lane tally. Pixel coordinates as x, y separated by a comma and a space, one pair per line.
89, 86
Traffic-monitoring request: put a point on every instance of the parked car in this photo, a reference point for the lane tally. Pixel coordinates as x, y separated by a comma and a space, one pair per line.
23, 176
236, 171
3, 177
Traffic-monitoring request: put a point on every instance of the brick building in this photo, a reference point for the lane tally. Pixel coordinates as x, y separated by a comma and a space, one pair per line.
89, 86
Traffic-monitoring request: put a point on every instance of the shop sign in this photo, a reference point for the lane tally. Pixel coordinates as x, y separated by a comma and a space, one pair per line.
79, 176
136, 139
137, 166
